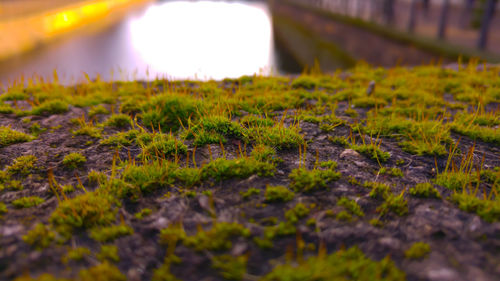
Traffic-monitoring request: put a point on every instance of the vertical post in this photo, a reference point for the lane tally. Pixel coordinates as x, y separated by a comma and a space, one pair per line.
413, 16
466, 13
388, 11
485, 24
443, 20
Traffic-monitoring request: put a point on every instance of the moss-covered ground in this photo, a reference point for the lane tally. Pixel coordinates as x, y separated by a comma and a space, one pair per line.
364, 174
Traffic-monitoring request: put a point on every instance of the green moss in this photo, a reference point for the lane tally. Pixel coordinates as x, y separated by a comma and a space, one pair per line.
108, 253
371, 151
213, 129
42, 277
278, 193
14, 95
216, 238
229, 267
3, 208
365, 102
22, 165
221, 169
278, 136
297, 212
249, 193
15, 185
99, 109
76, 254
256, 121
425, 190
418, 250
394, 203
161, 145
395, 172
101, 272
110, 233
350, 264
487, 209
122, 138
264, 153
74, 160
169, 112
39, 236
143, 213
50, 107
343, 216
118, 121
378, 190
86, 210
342, 141
88, 130
27, 202
455, 180
351, 206
304, 180
9, 136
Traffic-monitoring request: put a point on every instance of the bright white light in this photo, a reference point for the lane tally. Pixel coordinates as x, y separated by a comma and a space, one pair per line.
204, 39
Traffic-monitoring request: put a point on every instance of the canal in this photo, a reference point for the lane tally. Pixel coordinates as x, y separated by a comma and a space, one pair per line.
166, 39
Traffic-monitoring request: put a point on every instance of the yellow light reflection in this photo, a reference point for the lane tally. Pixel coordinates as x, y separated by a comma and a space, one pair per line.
204, 39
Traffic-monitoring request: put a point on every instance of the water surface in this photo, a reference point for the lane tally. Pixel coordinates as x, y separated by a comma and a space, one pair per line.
171, 39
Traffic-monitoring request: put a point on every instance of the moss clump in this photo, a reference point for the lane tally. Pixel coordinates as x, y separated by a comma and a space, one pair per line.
39, 236
418, 250
487, 209
88, 130
101, 272
278, 136
256, 121
350, 264
297, 212
221, 169
169, 112
372, 152
213, 129
118, 121
99, 109
50, 107
395, 172
229, 267
76, 254
278, 193
394, 203
74, 160
27, 202
216, 238
9, 136
249, 193
455, 180
110, 233
22, 165
122, 138
309, 180
108, 253
264, 153
3, 208
378, 190
351, 206
87, 210
425, 190
143, 213
42, 277
160, 145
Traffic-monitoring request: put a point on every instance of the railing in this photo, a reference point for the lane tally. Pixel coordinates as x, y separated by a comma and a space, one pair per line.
468, 23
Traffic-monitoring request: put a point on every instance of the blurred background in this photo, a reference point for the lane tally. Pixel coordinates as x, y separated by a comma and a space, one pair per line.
145, 39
